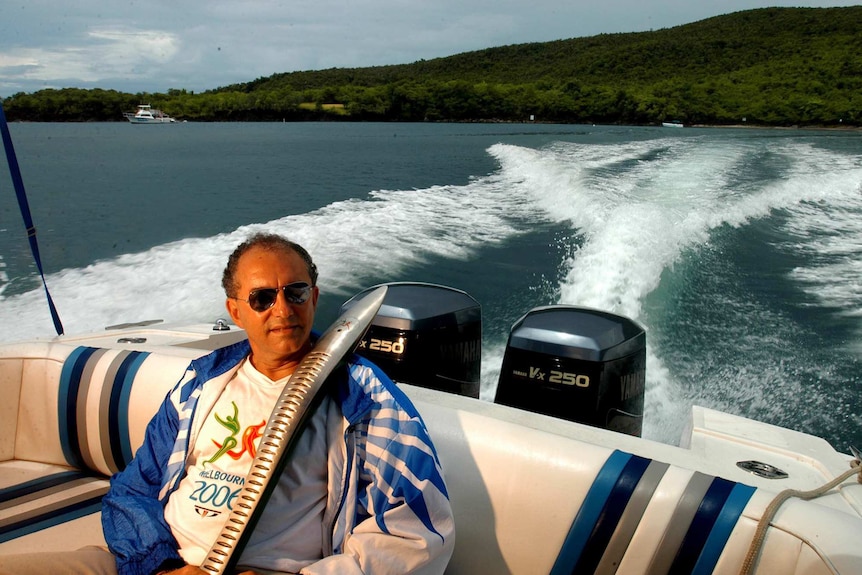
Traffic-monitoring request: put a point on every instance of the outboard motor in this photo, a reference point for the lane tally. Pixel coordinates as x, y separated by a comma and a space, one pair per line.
426, 335
578, 364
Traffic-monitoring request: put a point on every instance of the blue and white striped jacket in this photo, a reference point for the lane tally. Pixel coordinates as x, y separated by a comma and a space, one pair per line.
387, 510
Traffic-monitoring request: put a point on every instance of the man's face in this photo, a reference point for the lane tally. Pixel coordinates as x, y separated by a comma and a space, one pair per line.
279, 336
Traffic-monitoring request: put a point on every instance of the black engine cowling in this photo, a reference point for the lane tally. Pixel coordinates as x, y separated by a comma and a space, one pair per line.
577, 364
426, 335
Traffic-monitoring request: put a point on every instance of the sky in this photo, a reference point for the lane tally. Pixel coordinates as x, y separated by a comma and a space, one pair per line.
134, 46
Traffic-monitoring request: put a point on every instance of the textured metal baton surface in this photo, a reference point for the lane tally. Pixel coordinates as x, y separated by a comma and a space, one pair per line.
339, 340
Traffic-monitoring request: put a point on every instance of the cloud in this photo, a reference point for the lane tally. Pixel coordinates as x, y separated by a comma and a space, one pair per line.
101, 53
152, 45
128, 52
40, 64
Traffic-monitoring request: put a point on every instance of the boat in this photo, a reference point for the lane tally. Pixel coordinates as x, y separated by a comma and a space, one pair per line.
551, 475
673, 124
539, 483
146, 114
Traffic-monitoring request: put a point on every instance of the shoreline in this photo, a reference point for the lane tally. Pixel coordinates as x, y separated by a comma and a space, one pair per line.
764, 127
745, 126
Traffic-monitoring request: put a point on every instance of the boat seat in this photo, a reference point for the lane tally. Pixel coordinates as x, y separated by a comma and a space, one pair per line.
80, 415
75, 415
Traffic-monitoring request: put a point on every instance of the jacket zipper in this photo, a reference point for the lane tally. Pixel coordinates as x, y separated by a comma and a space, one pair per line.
348, 468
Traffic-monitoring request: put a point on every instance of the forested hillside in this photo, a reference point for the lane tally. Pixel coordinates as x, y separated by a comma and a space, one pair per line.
776, 66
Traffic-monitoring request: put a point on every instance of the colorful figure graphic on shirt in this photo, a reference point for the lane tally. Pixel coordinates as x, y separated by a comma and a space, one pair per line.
232, 424
249, 437
249, 441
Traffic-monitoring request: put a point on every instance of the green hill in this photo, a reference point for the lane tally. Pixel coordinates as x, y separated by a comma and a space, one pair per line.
772, 39
774, 66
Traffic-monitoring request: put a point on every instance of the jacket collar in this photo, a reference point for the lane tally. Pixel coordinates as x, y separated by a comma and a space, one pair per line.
354, 399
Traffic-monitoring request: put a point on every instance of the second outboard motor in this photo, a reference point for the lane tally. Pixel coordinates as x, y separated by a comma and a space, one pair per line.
577, 364
426, 335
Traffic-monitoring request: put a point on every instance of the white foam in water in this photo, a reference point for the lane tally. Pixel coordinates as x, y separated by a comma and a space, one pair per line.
830, 232
635, 209
4, 277
637, 221
179, 282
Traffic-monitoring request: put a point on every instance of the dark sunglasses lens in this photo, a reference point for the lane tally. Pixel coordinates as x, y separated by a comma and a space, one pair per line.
297, 293
262, 299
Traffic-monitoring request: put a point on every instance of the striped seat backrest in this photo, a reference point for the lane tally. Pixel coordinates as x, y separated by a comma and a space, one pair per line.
101, 405
106, 398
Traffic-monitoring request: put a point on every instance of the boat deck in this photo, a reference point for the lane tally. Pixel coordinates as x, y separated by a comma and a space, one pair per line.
531, 494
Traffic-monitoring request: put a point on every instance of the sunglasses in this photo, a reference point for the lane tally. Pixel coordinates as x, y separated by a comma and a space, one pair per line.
262, 299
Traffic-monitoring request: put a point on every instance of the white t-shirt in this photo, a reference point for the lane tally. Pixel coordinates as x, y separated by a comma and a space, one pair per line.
218, 464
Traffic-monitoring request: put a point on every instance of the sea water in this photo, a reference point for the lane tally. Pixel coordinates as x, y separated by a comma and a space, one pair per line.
738, 250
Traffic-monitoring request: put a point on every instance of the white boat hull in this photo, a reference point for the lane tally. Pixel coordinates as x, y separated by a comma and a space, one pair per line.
147, 115
164, 120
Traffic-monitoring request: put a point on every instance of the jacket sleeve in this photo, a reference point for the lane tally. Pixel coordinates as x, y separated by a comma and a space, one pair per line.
401, 517
132, 515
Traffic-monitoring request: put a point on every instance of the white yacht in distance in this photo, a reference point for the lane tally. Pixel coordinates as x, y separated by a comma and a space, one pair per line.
147, 115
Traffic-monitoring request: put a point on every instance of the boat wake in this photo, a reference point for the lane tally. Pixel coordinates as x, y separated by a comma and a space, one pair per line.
640, 210
653, 230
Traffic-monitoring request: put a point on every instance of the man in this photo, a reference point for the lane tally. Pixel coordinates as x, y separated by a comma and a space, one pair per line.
363, 492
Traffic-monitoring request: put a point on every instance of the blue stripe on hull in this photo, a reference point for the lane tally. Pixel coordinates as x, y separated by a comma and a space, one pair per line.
611, 514
718, 509
589, 513
724, 524
701, 526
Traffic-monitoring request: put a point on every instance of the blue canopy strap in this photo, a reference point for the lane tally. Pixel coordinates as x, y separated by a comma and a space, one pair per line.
18, 183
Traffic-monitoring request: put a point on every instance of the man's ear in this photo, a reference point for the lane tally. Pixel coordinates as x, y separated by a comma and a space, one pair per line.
315, 294
233, 310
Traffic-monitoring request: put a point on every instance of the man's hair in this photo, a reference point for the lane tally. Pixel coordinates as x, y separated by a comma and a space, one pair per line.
269, 242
